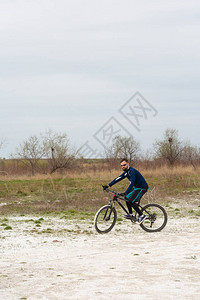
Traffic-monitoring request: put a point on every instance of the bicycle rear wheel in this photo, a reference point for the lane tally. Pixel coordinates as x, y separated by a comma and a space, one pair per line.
156, 218
105, 219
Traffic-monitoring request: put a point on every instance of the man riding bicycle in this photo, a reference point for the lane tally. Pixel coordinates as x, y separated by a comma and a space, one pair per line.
137, 188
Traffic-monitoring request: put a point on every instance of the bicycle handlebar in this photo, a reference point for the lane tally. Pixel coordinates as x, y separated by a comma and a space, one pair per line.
116, 194
111, 191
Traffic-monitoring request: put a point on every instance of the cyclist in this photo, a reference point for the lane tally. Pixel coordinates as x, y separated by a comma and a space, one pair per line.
137, 188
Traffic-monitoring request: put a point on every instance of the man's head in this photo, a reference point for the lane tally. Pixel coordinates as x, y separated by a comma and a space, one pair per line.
124, 164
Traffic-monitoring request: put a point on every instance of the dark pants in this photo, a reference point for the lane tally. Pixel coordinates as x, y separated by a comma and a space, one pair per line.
133, 198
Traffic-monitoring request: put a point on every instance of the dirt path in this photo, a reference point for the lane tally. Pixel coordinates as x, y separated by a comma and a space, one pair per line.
127, 263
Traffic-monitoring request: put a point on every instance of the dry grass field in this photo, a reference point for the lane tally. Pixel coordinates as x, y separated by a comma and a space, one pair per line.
81, 189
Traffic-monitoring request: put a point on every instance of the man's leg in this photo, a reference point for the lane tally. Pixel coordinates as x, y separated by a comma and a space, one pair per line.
136, 208
133, 199
129, 206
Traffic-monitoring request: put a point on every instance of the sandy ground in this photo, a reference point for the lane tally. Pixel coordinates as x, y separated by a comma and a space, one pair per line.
74, 262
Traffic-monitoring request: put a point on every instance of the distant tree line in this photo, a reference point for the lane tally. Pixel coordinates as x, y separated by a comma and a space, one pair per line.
55, 149
170, 149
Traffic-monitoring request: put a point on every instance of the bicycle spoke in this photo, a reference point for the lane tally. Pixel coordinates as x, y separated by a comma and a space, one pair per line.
156, 218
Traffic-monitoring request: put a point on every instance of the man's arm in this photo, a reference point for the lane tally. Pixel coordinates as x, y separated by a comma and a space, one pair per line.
117, 179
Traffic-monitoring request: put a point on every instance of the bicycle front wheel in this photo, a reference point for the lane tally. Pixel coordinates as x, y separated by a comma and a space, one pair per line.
105, 219
156, 218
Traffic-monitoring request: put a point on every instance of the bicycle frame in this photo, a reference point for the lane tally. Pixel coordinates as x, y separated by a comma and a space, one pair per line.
116, 198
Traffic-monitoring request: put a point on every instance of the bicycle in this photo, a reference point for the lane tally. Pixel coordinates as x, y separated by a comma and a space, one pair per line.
106, 216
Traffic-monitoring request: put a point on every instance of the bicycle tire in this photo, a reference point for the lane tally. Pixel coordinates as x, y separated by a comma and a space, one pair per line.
105, 219
155, 221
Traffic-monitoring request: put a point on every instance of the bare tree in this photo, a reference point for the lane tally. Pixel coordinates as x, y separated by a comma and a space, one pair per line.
30, 152
170, 148
191, 154
126, 147
57, 150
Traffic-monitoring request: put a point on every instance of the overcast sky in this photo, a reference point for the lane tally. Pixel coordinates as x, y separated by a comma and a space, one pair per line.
74, 66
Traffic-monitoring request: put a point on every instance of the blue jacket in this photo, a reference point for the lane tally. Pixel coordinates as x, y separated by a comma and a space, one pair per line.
135, 177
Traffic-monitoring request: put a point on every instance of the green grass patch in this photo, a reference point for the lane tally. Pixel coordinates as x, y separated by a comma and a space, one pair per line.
8, 228
71, 196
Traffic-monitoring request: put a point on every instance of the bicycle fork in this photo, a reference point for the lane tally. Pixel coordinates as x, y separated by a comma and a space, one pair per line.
108, 209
